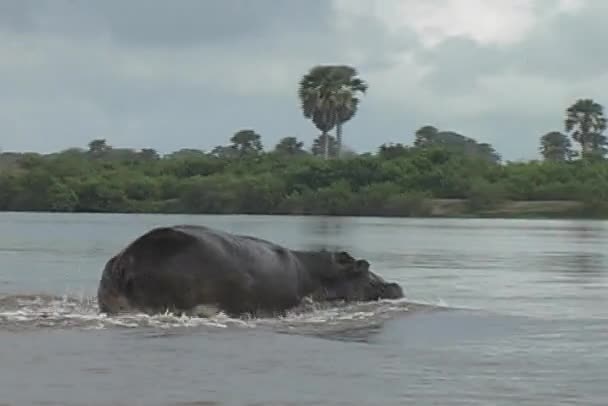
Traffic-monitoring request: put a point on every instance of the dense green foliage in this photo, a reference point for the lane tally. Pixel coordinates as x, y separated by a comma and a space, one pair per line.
397, 180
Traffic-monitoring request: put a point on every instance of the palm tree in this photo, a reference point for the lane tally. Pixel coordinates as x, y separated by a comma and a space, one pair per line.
315, 107
328, 96
346, 98
586, 122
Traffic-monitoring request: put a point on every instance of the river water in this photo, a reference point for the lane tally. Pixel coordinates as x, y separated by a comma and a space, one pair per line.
498, 312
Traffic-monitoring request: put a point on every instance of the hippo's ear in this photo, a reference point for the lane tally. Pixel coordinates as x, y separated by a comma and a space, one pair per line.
344, 258
361, 266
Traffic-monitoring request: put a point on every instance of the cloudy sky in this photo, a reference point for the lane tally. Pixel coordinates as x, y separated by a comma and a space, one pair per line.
189, 73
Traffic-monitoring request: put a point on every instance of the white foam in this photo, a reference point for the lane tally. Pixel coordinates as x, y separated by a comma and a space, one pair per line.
64, 312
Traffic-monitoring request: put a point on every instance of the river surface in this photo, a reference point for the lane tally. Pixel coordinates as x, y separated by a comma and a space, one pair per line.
498, 312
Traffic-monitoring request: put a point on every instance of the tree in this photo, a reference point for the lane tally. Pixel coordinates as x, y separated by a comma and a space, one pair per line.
314, 93
555, 146
290, 146
149, 154
425, 135
247, 142
328, 96
487, 152
185, 153
225, 152
346, 99
585, 121
429, 136
391, 151
98, 147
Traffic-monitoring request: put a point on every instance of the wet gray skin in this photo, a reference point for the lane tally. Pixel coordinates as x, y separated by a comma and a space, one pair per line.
183, 268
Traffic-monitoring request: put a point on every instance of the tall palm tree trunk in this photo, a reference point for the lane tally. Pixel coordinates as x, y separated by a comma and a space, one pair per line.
325, 145
339, 139
587, 145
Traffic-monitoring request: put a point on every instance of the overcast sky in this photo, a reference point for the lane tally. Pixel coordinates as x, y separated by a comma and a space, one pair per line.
189, 73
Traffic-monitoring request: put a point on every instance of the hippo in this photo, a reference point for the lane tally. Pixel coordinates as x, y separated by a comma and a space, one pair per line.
182, 268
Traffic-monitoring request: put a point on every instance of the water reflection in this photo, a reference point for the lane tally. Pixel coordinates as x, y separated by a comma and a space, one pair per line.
359, 334
327, 226
582, 267
586, 231
585, 263
326, 231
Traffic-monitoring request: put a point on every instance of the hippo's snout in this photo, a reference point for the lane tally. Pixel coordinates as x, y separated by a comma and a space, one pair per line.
392, 291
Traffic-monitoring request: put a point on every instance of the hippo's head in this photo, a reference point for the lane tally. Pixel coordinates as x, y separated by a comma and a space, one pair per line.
351, 279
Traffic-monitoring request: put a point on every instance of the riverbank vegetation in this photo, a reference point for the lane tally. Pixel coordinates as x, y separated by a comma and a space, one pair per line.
397, 180
442, 173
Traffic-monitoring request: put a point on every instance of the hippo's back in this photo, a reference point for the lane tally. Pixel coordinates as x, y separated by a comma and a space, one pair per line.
247, 251
261, 271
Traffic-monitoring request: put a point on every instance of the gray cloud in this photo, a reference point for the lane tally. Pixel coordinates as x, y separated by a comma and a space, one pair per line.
158, 23
459, 62
566, 47
571, 47
191, 73
18, 15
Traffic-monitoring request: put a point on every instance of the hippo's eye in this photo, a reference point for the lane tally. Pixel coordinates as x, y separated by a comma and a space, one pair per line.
344, 257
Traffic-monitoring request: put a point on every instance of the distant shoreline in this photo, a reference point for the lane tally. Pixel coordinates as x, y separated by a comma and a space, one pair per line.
439, 208
398, 181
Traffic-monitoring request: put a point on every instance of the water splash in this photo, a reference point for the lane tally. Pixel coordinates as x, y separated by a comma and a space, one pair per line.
35, 311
